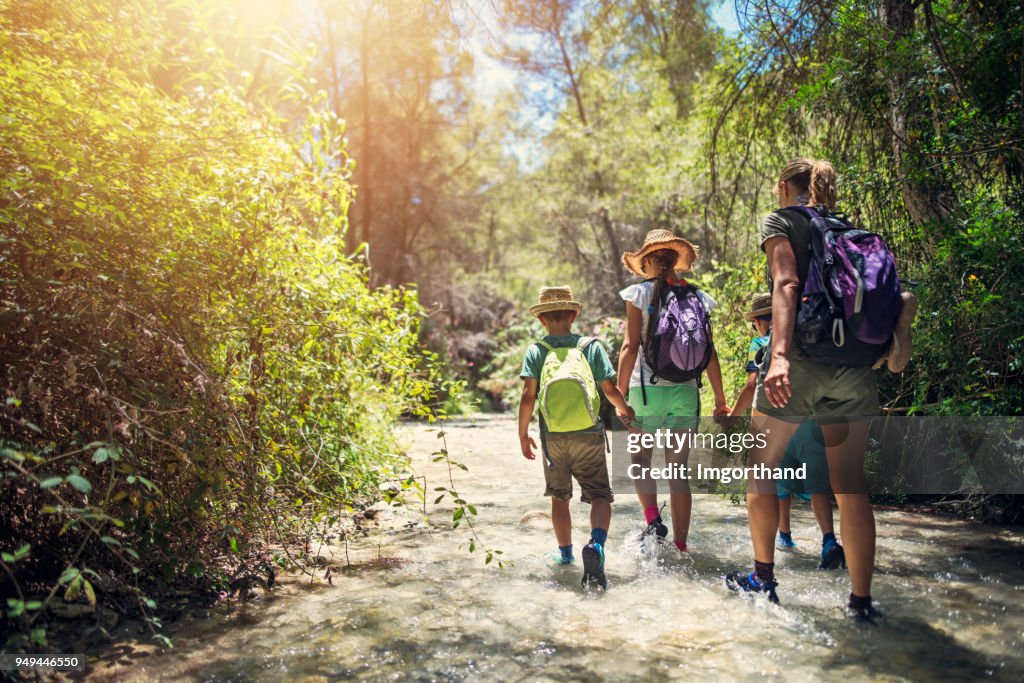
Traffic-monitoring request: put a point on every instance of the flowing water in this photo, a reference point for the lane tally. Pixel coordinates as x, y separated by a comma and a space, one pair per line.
410, 603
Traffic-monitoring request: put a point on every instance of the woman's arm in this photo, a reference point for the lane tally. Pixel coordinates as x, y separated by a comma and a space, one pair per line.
782, 265
630, 347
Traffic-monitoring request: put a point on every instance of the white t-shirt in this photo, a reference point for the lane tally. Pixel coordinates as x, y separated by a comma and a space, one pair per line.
640, 295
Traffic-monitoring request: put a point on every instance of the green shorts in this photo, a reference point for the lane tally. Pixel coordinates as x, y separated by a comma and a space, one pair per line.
676, 407
824, 391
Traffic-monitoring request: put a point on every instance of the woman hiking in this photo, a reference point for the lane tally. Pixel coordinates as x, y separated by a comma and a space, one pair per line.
841, 397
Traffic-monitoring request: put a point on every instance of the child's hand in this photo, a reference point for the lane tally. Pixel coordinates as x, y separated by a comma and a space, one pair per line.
527, 445
628, 418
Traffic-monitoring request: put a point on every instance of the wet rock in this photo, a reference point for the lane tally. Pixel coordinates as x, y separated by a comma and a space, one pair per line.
534, 517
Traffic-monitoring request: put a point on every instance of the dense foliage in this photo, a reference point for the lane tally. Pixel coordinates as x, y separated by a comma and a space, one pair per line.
208, 228
918, 105
193, 369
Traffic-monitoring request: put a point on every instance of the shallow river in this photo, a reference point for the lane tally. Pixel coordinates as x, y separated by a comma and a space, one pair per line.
410, 602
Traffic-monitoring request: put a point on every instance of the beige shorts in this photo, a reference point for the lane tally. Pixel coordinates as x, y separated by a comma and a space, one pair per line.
822, 391
576, 455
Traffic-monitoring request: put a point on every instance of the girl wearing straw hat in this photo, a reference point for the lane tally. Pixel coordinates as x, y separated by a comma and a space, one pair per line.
660, 403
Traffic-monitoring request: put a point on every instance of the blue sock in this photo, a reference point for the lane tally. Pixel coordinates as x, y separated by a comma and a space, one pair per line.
828, 537
786, 535
599, 535
566, 552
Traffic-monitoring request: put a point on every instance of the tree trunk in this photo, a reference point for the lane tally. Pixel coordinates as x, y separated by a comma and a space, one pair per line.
599, 182
925, 191
366, 149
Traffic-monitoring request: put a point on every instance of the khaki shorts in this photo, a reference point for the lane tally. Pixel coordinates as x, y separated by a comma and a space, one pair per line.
824, 391
580, 456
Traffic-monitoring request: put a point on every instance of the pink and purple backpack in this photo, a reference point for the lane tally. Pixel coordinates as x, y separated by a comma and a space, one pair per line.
851, 297
679, 344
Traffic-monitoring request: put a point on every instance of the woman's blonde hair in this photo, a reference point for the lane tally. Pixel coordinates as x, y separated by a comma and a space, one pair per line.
813, 177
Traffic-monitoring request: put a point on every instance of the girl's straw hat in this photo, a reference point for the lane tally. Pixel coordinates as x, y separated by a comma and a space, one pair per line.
760, 304
661, 239
555, 299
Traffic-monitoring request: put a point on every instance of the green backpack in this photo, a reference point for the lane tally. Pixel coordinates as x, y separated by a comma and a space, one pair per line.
568, 394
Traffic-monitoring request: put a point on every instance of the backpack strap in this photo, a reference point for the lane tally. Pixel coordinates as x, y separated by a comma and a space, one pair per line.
584, 342
545, 348
811, 212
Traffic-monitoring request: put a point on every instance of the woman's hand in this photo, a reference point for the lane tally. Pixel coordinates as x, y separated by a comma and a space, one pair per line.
776, 382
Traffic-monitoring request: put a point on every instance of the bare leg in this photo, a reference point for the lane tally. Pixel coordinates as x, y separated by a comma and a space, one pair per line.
561, 520
681, 499
600, 513
845, 445
821, 504
646, 488
762, 499
785, 506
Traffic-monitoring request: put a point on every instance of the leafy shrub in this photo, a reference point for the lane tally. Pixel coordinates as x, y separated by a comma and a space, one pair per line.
192, 366
969, 334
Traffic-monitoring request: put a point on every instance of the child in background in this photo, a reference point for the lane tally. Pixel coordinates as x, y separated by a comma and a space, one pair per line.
563, 372
806, 446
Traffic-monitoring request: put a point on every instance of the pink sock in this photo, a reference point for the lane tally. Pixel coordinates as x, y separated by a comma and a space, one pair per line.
651, 513
682, 546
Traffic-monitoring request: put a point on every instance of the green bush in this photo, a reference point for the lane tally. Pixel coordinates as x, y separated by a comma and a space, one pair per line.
969, 334
192, 367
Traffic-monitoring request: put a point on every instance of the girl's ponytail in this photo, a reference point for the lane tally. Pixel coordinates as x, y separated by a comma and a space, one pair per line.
663, 263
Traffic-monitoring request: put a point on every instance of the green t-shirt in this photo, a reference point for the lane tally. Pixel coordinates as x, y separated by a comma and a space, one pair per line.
793, 225
595, 354
755, 354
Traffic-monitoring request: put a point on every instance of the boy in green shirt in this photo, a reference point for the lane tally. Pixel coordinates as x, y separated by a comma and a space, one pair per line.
571, 433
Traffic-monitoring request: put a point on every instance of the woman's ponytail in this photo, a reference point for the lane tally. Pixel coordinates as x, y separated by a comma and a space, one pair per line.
823, 184
814, 178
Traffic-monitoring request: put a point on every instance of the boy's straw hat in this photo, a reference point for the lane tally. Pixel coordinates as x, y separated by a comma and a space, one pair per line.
760, 304
661, 239
555, 299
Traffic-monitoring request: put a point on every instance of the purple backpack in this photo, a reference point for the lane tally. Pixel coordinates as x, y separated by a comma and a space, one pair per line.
851, 298
678, 345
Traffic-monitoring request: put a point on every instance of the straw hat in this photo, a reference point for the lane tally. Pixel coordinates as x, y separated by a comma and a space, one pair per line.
760, 304
661, 239
555, 299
